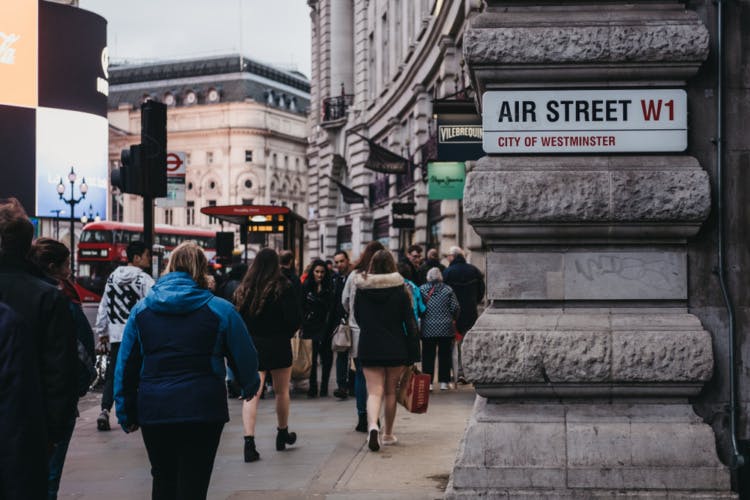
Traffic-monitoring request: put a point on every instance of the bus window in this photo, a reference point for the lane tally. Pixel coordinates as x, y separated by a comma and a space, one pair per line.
100, 236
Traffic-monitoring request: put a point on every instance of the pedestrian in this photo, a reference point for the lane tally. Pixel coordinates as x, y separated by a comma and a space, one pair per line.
385, 316
53, 259
414, 261
46, 320
347, 300
23, 440
268, 305
343, 266
169, 379
438, 326
317, 309
286, 261
126, 285
433, 260
417, 304
468, 284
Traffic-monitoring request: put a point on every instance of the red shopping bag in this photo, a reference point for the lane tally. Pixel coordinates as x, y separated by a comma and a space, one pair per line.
414, 390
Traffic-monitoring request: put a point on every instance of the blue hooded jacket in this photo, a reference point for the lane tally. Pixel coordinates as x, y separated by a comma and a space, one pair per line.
170, 368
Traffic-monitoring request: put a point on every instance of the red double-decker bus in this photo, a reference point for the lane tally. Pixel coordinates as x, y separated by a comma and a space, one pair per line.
102, 248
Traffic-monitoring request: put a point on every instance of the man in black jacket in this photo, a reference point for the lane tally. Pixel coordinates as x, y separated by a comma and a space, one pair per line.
433, 260
45, 317
344, 379
468, 284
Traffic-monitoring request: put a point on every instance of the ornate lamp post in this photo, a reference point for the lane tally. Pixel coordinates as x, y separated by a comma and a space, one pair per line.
89, 216
72, 201
57, 213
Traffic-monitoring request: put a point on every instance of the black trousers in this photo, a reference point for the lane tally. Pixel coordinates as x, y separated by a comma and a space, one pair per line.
182, 458
109, 377
443, 345
321, 348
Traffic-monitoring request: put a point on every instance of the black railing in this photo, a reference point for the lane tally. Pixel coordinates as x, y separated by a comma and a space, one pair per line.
405, 181
334, 108
379, 191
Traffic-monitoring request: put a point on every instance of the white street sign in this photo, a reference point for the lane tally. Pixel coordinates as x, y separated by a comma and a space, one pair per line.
584, 121
175, 181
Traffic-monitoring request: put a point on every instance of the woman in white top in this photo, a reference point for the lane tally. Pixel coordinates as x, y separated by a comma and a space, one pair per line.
347, 300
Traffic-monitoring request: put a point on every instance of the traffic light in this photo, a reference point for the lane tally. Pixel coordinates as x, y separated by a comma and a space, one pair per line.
154, 147
129, 177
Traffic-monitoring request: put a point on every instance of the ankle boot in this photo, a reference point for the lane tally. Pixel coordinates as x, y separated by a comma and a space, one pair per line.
361, 423
251, 454
284, 437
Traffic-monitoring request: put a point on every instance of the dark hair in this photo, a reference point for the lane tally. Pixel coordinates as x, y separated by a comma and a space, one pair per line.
414, 248
341, 252
136, 247
286, 258
382, 263
16, 230
363, 264
262, 281
328, 262
46, 251
404, 270
327, 277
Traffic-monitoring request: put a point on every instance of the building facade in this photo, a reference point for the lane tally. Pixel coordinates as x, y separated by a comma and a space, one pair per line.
241, 126
377, 67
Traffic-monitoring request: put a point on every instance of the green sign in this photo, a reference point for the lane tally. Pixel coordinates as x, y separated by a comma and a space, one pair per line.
446, 180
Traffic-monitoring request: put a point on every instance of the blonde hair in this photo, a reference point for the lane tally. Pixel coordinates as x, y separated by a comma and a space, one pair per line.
189, 258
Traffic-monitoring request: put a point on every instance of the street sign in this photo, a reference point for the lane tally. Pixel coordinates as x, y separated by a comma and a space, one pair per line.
445, 180
403, 208
584, 121
176, 171
403, 223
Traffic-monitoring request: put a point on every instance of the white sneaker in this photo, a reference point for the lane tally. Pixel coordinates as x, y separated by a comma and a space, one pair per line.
443, 386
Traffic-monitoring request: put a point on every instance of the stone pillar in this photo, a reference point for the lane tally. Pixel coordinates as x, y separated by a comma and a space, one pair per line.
585, 360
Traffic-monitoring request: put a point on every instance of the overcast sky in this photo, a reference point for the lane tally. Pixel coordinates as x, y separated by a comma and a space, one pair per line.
273, 31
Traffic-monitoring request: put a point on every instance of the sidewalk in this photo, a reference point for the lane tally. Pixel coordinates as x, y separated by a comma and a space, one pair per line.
329, 460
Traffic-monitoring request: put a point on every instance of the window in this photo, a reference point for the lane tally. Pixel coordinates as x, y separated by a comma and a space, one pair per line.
296, 164
168, 216
190, 213
209, 157
212, 220
372, 72
275, 162
248, 156
212, 185
247, 201
385, 67
190, 186
248, 184
286, 162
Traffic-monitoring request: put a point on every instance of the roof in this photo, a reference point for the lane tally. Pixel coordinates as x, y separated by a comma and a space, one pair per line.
131, 83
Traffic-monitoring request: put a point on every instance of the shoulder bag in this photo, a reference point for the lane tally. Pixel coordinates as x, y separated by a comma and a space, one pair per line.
342, 338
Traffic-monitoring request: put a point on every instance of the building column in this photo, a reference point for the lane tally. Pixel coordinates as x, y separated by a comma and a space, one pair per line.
587, 355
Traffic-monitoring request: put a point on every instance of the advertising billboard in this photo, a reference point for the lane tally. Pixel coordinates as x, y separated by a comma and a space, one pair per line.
53, 105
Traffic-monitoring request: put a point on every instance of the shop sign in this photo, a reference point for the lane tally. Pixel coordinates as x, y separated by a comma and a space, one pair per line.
445, 180
584, 121
459, 136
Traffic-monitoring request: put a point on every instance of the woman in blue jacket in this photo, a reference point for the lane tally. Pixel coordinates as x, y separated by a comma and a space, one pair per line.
169, 379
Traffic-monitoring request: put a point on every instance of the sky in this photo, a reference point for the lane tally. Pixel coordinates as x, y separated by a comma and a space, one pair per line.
276, 32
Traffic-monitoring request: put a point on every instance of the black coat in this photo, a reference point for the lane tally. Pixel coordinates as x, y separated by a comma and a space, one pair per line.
317, 310
289, 274
47, 318
468, 284
279, 318
385, 317
23, 439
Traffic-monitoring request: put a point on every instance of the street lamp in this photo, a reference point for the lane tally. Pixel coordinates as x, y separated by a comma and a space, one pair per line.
57, 213
86, 217
72, 201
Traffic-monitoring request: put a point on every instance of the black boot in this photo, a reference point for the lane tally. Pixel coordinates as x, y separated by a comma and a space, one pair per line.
361, 423
251, 454
284, 437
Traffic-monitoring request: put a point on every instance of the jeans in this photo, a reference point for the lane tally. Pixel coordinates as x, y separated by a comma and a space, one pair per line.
443, 346
342, 369
109, 382
360, 389
321, 348
56, 462
182, 458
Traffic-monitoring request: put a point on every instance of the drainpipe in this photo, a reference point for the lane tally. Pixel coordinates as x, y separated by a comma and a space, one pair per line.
738, 460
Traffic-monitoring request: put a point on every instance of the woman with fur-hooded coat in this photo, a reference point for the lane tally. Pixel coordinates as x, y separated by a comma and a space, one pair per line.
383, 309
